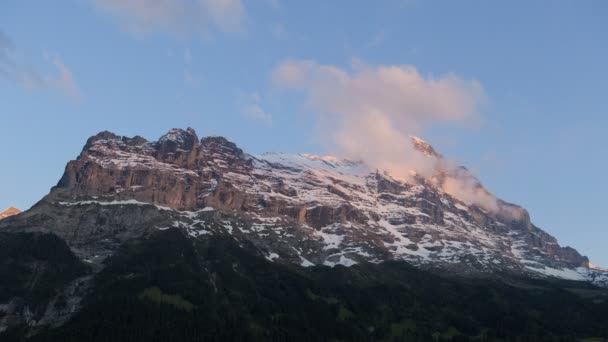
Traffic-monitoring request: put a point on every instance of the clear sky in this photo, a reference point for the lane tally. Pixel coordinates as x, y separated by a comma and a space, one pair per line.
263, 73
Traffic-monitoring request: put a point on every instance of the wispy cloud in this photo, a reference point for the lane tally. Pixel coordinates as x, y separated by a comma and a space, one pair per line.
182, 18
399, 94
370, 112
16, 68
190, 77
254, 111
65, 80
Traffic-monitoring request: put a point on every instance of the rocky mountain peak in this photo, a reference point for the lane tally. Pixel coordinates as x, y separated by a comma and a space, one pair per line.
109, 139
424, 147
217, 144
295, 208
101, 136
178, 139
11, 211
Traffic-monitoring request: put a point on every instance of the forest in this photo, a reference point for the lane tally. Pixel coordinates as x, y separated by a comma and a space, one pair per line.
168, 287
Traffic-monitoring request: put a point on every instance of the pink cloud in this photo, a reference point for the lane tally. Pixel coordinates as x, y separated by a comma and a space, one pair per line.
369, 113
16, 67
65, 80
184, 18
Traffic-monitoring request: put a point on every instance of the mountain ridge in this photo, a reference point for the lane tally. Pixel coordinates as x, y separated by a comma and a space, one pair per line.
316, 221
10, 211
331, 211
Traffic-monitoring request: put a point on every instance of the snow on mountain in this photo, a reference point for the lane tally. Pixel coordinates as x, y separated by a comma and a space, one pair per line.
295, 208
596, 267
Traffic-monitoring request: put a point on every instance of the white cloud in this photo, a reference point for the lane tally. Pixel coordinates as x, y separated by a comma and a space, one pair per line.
369, 113
257, 113
65, 81
254, 111
16, 68
182, 18
409, 100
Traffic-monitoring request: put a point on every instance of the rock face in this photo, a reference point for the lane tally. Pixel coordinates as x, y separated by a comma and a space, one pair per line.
302, 209
297, 209
9, 212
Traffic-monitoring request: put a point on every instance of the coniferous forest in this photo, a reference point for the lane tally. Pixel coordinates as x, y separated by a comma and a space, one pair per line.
167, 287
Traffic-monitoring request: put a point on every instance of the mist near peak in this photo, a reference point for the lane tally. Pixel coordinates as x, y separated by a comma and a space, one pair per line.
370, 113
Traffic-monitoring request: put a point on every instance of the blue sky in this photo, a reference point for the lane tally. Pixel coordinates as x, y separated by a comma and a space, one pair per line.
69, 69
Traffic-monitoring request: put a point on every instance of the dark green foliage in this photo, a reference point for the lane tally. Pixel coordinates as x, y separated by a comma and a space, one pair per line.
172, 288
156, 295
34, 266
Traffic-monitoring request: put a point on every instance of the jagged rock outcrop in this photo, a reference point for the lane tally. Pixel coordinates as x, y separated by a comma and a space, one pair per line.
11, 211
301, 209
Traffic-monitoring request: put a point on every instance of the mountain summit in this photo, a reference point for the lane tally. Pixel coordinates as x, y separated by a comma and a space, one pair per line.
131, 218
9, 212
295, 208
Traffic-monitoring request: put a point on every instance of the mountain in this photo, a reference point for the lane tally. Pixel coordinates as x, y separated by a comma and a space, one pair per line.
186, 223
302, 209
9, 212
